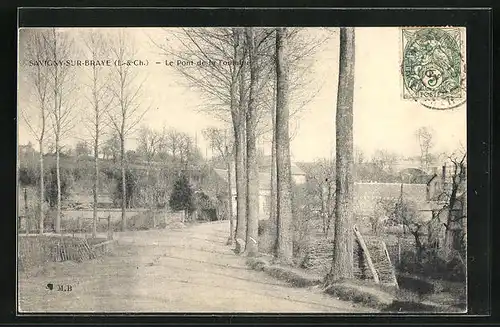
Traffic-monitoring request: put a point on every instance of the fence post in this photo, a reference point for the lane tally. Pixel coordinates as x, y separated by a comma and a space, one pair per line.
110, 232
26, 220
79, 224
399, 250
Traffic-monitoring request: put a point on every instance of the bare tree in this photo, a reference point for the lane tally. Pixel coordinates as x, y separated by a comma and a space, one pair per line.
220, 56
299, 93
219, 84
150, 142
238, 112
405, 212
323, 173
453, 203
172, 143
188, 150
62, 113
425, 137
128, 110
252, 192
269, 239
99, 101
35, 46
284, 246
342, 265
220, 141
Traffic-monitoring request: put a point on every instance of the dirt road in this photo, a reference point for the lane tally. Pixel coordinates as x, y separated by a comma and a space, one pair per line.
184, 270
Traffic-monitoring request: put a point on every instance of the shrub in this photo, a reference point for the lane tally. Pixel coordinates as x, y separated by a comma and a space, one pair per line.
131, 188
182, 196
432, 265
28, 176
51, 185
302, 222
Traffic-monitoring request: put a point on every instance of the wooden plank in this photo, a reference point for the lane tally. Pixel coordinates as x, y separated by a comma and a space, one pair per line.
384, 247
91, 253
367, 254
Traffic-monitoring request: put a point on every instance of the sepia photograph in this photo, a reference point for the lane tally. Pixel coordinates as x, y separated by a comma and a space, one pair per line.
242, 170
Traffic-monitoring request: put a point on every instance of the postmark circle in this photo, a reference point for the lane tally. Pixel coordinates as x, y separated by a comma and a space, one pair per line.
433, 68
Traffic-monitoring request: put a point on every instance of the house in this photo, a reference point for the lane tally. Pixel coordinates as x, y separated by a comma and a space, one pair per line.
298, 176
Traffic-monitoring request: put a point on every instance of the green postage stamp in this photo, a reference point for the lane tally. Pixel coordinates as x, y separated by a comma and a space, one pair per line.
433, 66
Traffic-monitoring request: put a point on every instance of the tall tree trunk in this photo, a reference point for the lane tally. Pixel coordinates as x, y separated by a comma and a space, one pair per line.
230, 202
58, 178
239, 153
236, 117
328, 210
324, 206
447, 249
124, 184
342, 265
240, 173
251, 244
269, 239
96, 185
284, 248
42, 188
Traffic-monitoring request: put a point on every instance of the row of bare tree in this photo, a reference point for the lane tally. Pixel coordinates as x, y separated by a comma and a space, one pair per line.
263, 81
255, 85
56, 98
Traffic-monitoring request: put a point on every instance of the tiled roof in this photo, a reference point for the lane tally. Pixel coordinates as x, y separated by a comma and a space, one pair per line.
265, 164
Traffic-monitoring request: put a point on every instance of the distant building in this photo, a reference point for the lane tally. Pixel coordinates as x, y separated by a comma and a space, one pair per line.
430, 199
298, 176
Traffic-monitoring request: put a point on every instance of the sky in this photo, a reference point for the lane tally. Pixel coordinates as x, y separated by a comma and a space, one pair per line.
382, 118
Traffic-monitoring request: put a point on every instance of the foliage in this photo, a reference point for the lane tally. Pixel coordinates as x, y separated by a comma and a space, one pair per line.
130, 188
202, 201
132, 156
28, 176
111, 148
51, 185
431, 265
182, 197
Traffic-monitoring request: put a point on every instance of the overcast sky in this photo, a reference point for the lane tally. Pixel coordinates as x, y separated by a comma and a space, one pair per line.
382, 119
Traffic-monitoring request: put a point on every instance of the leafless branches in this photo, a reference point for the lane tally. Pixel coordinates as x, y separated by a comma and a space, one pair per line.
128, 109
219, 141
97, 96
150, 143
35, 47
